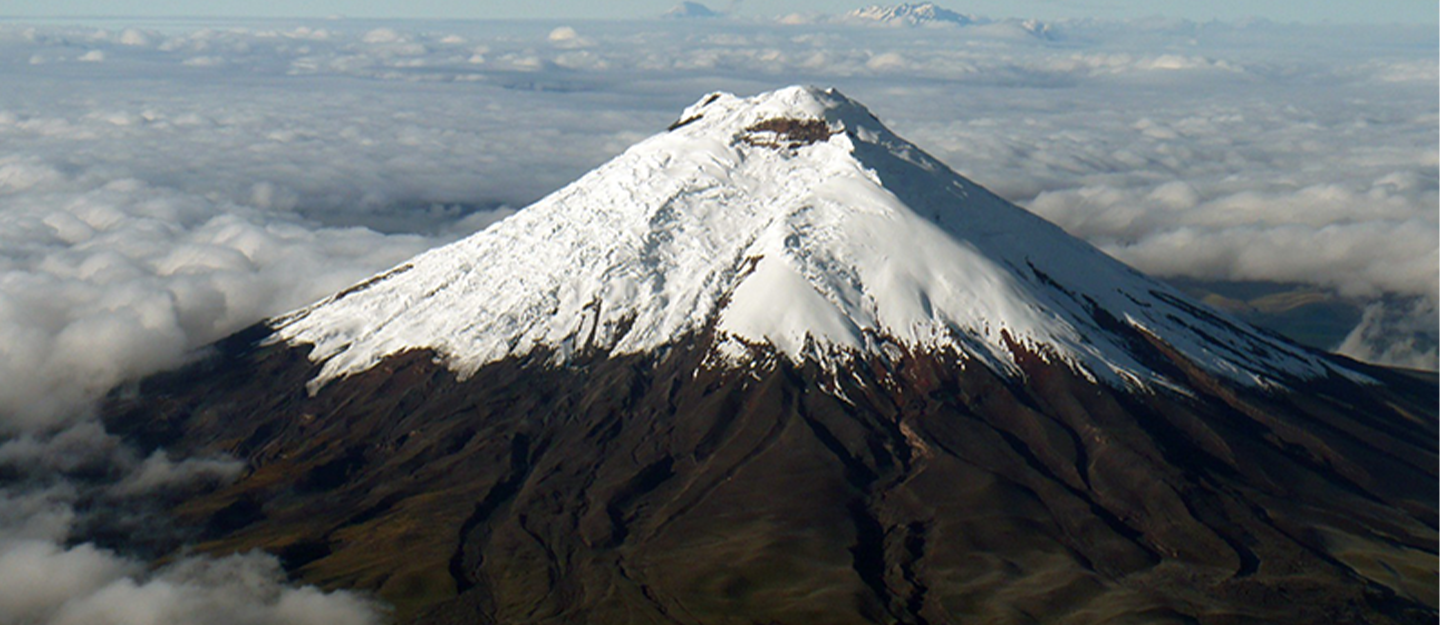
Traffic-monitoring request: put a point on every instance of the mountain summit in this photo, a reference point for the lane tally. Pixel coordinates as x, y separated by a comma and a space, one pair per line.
909, 15
776, 364
689, 10
790, 222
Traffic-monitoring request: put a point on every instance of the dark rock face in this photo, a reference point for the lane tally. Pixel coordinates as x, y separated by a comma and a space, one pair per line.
922, 489
781, 133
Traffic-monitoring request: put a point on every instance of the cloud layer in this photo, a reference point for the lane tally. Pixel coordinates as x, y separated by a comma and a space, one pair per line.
62, 493
43, 583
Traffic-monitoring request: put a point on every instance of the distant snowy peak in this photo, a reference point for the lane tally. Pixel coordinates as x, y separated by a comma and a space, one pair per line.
791, 223
928, 14
686, 10
909, 15
1035, 28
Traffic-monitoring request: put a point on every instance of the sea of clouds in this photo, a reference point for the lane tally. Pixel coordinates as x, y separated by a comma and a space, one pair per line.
164, 184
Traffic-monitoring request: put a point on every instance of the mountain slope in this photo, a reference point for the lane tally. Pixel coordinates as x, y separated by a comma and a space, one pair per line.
633, 489
778, 365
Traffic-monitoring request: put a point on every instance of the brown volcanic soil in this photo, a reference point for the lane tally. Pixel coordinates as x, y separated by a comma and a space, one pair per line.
648, 489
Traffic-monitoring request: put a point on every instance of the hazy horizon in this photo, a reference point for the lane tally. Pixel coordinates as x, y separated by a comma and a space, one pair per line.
1333, 11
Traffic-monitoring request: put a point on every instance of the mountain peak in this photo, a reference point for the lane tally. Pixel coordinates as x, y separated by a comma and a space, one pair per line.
724, 113
909, 14
687, 10
790, 223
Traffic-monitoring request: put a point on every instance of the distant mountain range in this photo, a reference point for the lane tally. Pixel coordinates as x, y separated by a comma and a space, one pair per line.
900, 15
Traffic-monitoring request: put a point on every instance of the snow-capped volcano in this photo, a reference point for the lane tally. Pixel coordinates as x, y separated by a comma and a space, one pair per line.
777, 365
909, 15
793, 221
690, 10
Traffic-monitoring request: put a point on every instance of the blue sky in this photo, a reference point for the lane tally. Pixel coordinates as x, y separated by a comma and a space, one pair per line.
1375, 11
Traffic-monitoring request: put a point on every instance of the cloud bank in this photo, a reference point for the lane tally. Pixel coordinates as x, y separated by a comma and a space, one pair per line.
64, 493
46, 584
